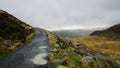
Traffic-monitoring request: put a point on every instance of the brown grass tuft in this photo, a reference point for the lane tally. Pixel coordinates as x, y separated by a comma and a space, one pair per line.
100, 44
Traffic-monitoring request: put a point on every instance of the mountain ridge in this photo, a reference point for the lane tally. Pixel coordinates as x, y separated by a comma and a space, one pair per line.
112, 32
73, 33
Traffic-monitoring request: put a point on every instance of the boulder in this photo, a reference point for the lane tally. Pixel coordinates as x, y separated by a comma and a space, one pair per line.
59, 60
87, 59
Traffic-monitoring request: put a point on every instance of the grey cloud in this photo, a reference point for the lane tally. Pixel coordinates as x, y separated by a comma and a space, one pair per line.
65, 14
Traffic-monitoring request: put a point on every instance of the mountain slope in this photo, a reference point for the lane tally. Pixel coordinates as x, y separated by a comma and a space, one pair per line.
66, 54
11, 27
112, 33
105, 41
13, 32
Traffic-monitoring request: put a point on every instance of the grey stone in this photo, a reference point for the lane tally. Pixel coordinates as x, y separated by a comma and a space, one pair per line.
56, 45
87, 59
61, 66
59, 60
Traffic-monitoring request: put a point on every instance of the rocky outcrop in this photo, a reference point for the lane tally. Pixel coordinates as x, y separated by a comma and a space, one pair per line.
92, 56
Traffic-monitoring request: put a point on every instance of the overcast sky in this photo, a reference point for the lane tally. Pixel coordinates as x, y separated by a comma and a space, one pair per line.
65, 14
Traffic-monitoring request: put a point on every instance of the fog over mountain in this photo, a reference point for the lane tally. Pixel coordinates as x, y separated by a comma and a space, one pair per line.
65, 14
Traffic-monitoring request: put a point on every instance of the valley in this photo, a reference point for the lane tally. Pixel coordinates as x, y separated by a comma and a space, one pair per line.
23, 46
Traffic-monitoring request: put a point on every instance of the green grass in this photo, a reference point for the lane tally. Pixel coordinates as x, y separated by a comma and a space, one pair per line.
6, 47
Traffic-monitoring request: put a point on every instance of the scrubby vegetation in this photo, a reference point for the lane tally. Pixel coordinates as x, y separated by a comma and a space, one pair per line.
62, 56
100, 44
13, 33
66, 54
105, 41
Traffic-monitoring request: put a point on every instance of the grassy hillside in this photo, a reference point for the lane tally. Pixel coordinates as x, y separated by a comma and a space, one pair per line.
73, 33
100, 44
66, 54
105, 41
112, 33
13, 33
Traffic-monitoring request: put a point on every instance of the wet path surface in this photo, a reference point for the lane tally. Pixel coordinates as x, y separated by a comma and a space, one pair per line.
33, 54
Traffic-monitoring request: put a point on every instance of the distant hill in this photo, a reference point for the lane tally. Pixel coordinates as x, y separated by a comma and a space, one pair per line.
111, 33
13, 32
73, 33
